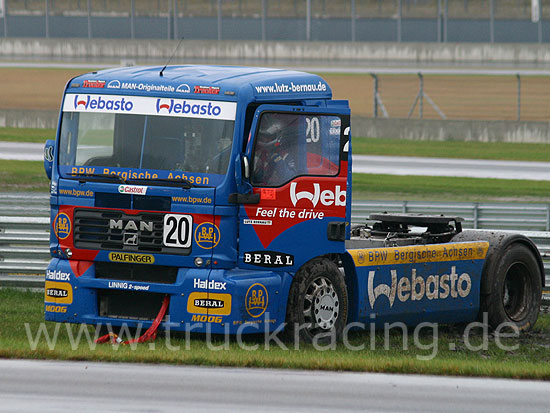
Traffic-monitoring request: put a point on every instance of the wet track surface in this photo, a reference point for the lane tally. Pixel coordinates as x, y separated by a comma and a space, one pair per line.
50, 386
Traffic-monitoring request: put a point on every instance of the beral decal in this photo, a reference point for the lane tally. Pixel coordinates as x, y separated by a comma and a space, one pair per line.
270, 259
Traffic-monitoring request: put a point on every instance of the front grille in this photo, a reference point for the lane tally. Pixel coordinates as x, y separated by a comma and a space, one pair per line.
135, 305
142, 232
136, 272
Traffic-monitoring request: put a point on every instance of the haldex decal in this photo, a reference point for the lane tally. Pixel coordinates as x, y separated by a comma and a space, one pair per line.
57, 275
208, 285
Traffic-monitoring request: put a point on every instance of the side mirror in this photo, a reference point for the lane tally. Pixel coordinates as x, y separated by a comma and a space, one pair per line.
49, 148
242, 170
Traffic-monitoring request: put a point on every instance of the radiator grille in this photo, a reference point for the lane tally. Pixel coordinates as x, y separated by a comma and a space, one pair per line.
142, 232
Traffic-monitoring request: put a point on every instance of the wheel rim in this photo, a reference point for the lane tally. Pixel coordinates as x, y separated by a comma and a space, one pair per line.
516, 291
321, 305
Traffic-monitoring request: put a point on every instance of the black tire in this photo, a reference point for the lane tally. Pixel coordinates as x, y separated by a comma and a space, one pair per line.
516, 289
317, 307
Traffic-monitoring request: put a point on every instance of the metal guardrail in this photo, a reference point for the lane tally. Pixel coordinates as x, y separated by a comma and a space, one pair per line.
24, 245
25, 225
504, 216
24, 204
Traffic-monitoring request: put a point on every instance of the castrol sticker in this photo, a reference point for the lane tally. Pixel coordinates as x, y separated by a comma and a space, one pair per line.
132, 189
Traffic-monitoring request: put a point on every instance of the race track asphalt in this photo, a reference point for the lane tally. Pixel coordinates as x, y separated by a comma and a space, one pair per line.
54, 386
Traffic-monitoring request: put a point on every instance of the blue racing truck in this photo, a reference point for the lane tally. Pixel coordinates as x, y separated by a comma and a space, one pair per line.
222, 195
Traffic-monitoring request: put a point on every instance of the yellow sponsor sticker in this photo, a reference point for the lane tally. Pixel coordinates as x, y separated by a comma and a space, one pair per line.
203, 318
131, 257
50, 308
459, 251
58, 292
209, 303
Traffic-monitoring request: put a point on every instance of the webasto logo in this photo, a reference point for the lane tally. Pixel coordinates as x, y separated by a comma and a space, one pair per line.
327, 197
105, 103
169, 106
415, 288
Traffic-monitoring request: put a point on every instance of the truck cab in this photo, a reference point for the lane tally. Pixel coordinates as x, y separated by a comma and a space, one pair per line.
210, 185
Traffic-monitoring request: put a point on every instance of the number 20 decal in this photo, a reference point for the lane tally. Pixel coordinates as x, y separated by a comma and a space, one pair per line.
313, 130
177, 230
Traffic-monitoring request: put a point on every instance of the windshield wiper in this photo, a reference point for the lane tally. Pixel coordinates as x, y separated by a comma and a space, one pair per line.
185, 183
111, 176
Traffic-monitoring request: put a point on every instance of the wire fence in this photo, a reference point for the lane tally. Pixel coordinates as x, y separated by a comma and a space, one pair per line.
366, 20
466, 95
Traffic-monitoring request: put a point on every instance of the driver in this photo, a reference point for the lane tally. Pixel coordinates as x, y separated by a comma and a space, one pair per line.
275, 161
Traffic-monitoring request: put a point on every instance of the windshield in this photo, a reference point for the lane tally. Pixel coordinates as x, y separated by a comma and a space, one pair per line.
118, 142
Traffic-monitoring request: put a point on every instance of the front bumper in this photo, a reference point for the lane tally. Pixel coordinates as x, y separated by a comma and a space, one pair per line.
201, 300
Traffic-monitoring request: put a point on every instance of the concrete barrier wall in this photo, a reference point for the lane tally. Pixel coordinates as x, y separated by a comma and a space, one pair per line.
414, 129
17, 118
243, 51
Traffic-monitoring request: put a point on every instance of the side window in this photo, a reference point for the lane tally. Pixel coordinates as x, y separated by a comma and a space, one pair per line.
290, 145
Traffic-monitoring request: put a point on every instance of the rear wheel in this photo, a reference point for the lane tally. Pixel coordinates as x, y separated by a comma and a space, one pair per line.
318, 302
516, 289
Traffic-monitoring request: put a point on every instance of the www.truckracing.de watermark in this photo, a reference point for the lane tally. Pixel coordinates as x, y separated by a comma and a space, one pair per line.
424, 339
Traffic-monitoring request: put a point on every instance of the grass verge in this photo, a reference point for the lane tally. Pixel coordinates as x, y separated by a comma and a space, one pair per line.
26, 135
527, 357
21, 176
411, 187
453, 149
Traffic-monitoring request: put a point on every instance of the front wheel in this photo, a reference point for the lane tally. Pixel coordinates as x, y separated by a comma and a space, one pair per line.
318, 302
516, 289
